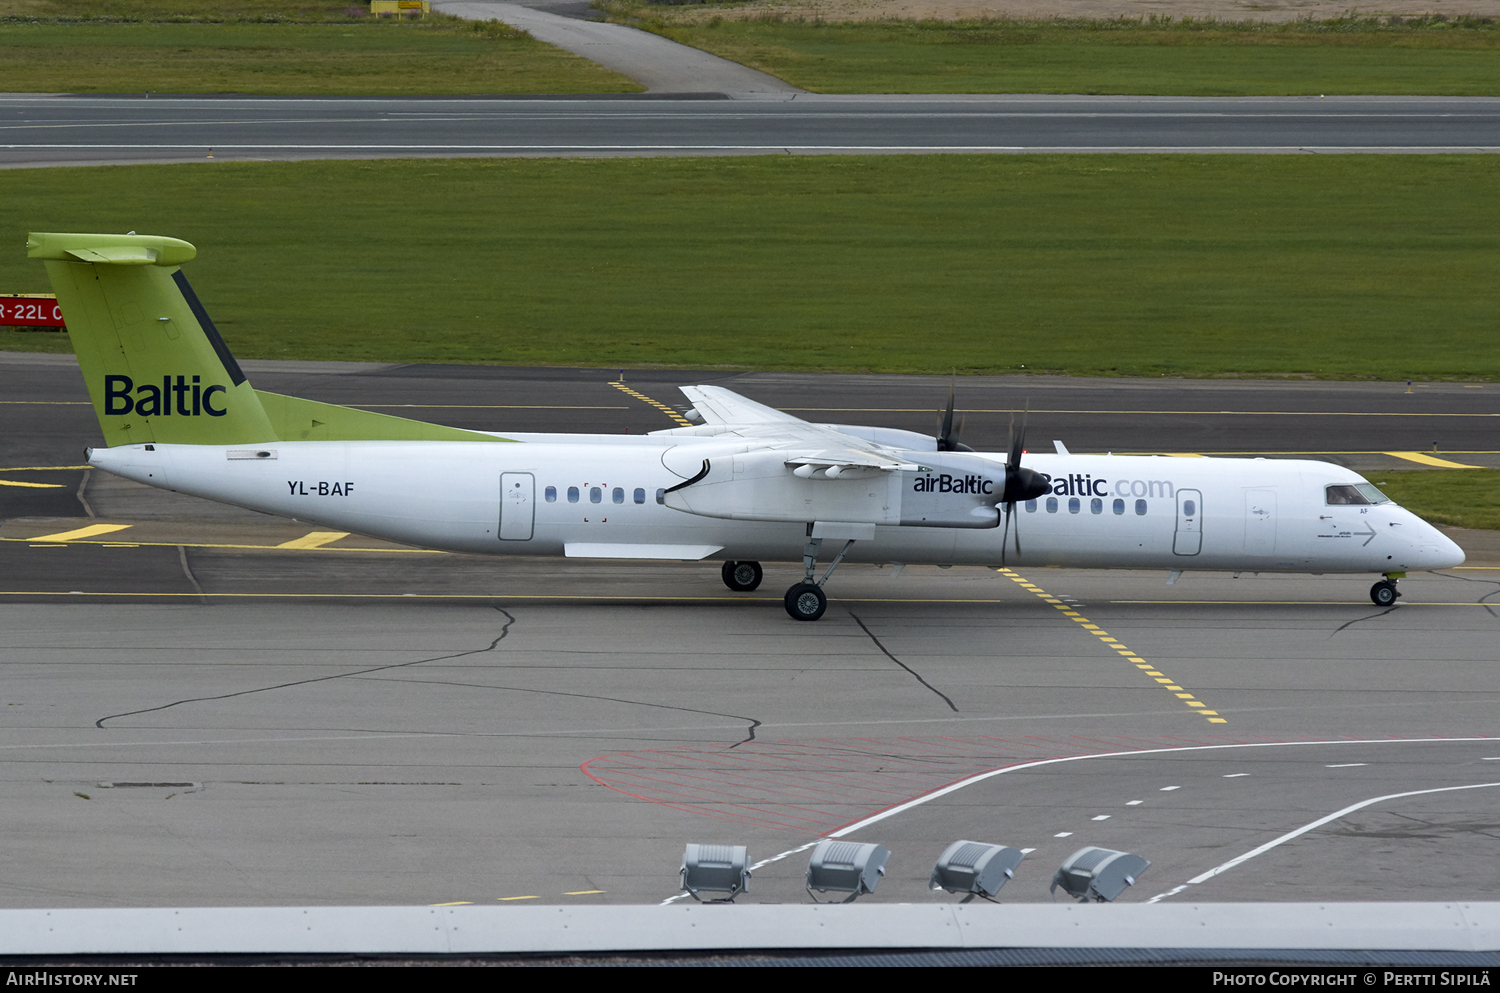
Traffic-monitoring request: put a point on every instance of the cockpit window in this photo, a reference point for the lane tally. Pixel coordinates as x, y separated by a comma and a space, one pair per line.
1355, 495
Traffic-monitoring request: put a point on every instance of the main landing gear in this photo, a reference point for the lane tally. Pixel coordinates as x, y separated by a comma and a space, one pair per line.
1384, 593
806, 601
742, 577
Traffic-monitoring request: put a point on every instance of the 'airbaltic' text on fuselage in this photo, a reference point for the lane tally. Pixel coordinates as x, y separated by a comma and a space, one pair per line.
952, 484
1081, 484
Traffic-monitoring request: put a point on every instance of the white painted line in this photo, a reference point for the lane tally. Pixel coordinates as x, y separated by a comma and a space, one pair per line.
1063, 834
1237, 775
1491, 758
1102, 817
1027, 851
1134, 803
1320, 822
1171, 892
902, 808
1346, 765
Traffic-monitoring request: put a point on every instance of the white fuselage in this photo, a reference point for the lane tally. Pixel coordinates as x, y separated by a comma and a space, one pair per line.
1104, 512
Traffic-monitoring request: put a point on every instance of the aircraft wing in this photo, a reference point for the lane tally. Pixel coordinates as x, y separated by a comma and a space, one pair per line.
816, 446
719, 406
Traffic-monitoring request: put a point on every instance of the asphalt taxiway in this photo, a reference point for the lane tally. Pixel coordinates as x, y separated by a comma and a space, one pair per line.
51, 130
213, 707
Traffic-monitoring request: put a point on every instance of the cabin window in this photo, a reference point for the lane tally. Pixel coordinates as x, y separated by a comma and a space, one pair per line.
617, 494
1074, 505
572, 494
1140, 508
1030, 506
661, 496
1190, 508
1357, 495
1052, 505
640, 495
595, 494
551, 494
1096, 506
1119, 507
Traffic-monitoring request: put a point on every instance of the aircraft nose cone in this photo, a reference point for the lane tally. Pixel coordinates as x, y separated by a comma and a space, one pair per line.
1442, 553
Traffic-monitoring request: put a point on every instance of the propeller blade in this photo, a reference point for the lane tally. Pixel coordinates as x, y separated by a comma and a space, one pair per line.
945, 436
1005, 536
1018, 441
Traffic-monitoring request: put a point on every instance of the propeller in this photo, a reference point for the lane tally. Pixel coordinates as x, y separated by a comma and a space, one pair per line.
1020, 483
947, 436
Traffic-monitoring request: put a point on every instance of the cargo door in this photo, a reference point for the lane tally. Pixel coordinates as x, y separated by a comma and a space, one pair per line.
1188, 539
517, 505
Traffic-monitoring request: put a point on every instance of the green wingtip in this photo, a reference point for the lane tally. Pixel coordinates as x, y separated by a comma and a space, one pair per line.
110, 249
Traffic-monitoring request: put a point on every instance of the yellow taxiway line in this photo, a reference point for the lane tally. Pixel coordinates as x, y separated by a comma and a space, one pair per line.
86, 532
1425, 459
1113, 644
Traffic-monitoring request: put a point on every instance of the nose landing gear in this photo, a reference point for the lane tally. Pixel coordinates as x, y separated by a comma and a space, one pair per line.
1384, 593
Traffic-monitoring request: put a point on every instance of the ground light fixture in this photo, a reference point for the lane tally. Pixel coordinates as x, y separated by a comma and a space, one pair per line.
715, 869
1098, 874
845, 867
974, 868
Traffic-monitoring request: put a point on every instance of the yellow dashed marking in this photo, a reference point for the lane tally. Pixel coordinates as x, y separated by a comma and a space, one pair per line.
1431, 460
314, 539
507, 899
1189, 699
682, 421
583, 892
87, 532
455, 903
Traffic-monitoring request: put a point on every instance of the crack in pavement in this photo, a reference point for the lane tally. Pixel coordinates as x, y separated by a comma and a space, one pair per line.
753, 723
1481, 600
1368, 617
509, 620
903, 665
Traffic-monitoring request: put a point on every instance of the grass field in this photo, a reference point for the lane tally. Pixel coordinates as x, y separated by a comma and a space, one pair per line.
1337, 266
325, 52
1160, 57
289, 59
1465, 498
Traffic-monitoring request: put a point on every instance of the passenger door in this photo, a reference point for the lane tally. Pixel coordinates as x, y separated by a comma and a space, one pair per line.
517, 503
1188, 539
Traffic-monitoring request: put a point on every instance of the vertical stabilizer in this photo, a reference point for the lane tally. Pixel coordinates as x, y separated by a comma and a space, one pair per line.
155, 365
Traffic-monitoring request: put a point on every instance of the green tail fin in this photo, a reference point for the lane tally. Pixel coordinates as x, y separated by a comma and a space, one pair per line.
156, 367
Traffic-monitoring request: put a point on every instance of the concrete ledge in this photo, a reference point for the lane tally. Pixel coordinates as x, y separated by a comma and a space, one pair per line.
1457, 927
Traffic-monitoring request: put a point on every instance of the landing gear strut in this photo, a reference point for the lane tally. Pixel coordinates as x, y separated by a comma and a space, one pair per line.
1384, 593
742, 577
806, 601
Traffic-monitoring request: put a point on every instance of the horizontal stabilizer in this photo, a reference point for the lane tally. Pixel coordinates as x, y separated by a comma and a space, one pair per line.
110, 249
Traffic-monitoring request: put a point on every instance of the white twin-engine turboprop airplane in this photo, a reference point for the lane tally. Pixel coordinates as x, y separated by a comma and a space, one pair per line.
747, 484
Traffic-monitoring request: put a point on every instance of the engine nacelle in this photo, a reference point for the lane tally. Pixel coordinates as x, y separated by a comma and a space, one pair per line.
953, 490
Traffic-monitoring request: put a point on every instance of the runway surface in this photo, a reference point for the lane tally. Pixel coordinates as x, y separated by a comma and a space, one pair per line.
42, 130
192, 715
